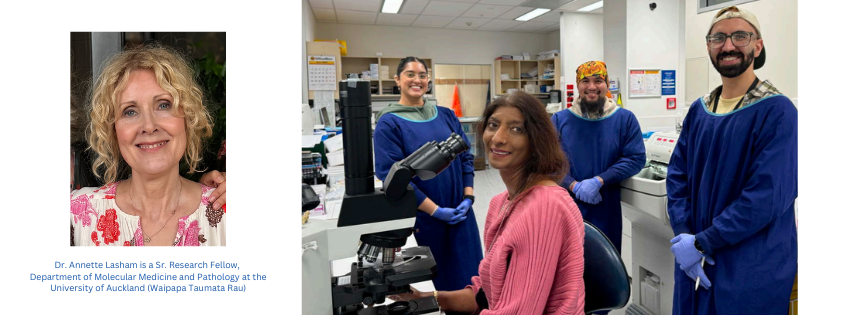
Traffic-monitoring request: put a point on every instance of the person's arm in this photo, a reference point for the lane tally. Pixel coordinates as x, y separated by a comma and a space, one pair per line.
568, 182
771, 186
632, 155
461, 301
676, 183
389, 149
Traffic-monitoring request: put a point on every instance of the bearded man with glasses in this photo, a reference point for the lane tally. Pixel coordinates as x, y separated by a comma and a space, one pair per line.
732, 183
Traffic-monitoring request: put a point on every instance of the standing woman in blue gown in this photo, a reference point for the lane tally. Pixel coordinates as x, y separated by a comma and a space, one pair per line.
445, 220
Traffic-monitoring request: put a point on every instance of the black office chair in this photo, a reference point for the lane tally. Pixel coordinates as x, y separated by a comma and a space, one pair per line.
606, 280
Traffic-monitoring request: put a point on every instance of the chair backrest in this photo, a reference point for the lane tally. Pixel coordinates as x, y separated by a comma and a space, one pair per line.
606, 280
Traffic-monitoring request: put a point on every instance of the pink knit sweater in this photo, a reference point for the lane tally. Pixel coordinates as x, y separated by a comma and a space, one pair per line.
536, 264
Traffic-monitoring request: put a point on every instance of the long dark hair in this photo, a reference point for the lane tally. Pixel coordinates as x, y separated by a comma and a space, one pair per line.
546, 159
405, 62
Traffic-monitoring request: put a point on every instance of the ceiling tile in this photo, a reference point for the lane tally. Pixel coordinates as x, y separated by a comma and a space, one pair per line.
598, 11
486, 11
461, 23
413, 6
551, 17
515, 13
324, 14
359, 17
326, 21
443, 8
325, 4
432, 21
576, 5
465, 1
502, 2
499, 25
396, 19
548, 29
358, 5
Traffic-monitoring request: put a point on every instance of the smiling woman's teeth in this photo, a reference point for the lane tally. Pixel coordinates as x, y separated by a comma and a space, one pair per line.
151, 146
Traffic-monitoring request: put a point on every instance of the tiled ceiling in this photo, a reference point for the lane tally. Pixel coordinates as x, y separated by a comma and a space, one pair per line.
483, 15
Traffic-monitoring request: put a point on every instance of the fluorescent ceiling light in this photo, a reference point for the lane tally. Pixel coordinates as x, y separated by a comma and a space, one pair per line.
391, 6
532, 14
591, 7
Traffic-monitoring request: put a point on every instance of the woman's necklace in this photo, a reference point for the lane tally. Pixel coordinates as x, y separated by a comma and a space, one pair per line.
173, 211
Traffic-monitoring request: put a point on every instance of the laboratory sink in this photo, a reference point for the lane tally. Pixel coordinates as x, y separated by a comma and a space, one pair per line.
644, 201
646, 182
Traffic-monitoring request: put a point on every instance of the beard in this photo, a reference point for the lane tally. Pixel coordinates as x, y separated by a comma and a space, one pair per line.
732, 71
595, 107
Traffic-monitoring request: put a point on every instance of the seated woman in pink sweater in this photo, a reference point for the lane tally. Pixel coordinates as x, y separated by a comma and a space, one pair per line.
534, 232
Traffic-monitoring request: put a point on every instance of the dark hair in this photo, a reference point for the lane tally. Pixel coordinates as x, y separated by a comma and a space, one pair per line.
546, 159
405, 62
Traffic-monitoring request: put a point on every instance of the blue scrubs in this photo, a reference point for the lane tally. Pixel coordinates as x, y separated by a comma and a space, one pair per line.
456, 248
610, 147
732, 181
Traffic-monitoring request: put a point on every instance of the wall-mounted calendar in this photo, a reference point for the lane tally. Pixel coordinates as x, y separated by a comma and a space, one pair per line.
321, 73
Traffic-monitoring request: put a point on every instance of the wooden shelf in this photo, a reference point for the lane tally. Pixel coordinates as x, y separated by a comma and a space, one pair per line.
515, 67
354, 64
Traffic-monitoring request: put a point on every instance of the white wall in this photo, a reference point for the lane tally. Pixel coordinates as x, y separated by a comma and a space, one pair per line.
308, 27
655, 40
554, 41
778, 21
441, 45
614, 42
581, 41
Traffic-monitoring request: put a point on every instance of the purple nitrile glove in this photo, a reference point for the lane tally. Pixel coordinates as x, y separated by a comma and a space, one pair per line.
460, 213
589, 190
444, 214
696, 271
685, 252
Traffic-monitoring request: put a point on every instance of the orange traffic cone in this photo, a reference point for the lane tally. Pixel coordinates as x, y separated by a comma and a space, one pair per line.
456, 103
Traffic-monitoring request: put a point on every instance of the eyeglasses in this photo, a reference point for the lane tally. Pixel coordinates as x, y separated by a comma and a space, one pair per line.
411, 75
739, 39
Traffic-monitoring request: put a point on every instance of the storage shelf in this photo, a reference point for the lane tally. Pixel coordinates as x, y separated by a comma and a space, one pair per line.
514, 68
359, 64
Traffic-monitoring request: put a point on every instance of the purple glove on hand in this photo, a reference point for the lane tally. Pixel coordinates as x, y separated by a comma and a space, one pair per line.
461, 211
689, 258
588, 190
444, 214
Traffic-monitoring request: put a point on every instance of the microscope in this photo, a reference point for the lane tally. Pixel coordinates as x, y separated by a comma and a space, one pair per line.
373, 225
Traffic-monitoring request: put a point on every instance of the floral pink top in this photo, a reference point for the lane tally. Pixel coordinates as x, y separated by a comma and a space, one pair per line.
97, 221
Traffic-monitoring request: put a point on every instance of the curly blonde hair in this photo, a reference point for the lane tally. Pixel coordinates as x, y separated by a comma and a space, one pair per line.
175, 76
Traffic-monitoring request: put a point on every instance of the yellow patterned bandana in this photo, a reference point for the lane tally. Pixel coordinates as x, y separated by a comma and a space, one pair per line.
593, 68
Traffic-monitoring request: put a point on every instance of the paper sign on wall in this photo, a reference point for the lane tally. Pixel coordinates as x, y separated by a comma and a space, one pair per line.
669, 82
645, 83
322, 73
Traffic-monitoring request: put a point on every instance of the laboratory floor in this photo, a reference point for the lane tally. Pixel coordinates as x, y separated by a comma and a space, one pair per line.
488, 184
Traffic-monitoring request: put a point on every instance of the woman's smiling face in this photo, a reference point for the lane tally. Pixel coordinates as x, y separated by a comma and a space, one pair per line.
151, 134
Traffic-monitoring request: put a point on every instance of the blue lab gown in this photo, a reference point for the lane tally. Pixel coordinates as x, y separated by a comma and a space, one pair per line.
732, 181
456, 248
610, 147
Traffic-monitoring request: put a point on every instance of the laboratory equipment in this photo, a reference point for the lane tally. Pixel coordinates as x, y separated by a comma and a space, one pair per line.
373, 225
644, 202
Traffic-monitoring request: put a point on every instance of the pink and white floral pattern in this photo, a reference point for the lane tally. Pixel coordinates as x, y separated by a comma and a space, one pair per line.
112, 227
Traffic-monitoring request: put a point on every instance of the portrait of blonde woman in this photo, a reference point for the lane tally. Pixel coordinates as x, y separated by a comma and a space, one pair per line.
147, 123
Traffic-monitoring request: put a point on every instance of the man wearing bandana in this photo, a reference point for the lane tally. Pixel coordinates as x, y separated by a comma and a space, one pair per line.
732, 183
604, 145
